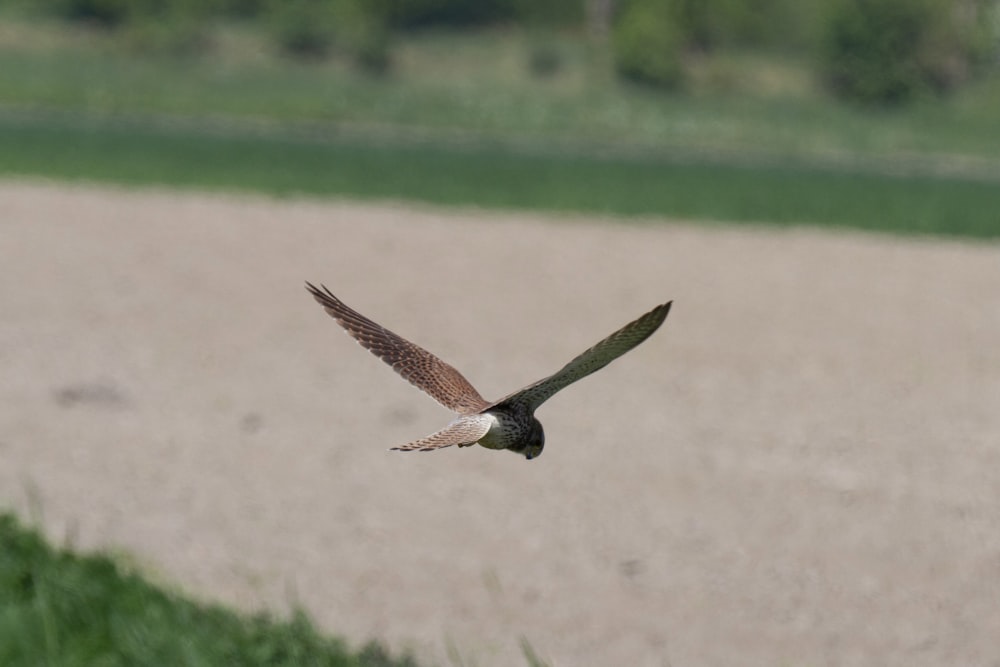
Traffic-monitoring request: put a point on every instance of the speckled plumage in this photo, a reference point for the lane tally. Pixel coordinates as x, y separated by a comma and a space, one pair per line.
505, 424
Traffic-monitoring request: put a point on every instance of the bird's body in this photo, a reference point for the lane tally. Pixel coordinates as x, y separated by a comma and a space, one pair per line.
509, 423
510, 428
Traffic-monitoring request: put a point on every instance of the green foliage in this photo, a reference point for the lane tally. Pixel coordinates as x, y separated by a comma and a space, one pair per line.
409, 14
890, 51
370, 48
549, 12
706, 25
652, 39
241, 8
489, 91
366, 39
115, 13
303, 28
484, 96
104, 12
318, 28
648, 45
172, 27
545, 59
416, 13
178, 35
772, 24
58, 608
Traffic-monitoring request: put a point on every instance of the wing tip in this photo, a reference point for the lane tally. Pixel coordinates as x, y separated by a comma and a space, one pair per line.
660, 312
323, 295
315, 291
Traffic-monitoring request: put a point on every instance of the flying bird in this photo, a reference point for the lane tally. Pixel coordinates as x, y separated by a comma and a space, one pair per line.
509, 423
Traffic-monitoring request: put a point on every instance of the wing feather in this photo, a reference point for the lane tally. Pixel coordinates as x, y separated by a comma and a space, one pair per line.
415, 364
594, 359
466, 430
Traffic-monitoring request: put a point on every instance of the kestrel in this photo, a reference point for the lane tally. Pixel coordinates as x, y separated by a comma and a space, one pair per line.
505, 424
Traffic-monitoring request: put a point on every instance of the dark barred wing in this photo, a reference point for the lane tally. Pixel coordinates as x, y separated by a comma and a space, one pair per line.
592, 360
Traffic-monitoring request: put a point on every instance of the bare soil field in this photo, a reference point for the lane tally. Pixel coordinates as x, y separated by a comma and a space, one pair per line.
802, 467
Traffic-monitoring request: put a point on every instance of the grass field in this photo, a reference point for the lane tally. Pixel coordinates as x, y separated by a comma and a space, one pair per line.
479, 83
461, 120
62, 609
495, 175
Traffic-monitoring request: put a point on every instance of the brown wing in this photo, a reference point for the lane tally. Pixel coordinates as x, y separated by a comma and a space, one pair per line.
592, 360
418, 366
466, 430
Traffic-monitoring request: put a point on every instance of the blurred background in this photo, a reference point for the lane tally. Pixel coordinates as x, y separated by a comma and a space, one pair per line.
871, 113
800, 468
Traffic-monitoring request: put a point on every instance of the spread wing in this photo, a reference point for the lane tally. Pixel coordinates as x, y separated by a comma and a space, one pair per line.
592, 360
418, 366
466, 430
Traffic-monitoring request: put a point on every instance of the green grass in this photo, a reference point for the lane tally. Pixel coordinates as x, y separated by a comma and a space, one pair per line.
480, 83
62, 610
493, 175
461, 120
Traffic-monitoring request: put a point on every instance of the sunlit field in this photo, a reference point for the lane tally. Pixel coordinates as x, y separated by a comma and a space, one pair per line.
803, 429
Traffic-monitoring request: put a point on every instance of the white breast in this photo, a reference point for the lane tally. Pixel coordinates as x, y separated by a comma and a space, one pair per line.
500, 434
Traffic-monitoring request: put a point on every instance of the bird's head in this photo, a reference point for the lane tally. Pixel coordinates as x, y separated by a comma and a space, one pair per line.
534, 441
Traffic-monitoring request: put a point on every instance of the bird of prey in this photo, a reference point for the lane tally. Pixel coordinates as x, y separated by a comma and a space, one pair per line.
505, 424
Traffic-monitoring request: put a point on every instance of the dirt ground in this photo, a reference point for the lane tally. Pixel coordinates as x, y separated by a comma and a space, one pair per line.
802, 467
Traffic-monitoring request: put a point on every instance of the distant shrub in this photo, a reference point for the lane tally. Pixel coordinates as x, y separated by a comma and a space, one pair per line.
787, 25
241, 8
549, 12
545, 59
368, 42
162, 26
405, 14
178, 35
888, 51
652, 37
417, 13
648, 45
318, 28
707, 25
108, 13
303, 28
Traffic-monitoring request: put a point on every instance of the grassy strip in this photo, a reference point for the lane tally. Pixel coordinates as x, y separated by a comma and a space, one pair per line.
479, 82
58, 608
494, 176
